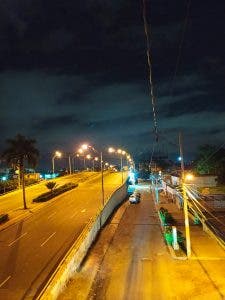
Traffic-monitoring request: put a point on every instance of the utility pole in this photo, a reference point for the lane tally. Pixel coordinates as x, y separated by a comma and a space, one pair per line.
186, 220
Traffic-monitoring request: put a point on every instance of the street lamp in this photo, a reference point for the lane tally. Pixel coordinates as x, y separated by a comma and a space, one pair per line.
57, 154
122, 153
81, 150
95, 159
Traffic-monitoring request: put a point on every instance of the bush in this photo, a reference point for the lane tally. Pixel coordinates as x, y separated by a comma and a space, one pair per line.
4, 218
51, 185
168, 236
49, 195
166, 217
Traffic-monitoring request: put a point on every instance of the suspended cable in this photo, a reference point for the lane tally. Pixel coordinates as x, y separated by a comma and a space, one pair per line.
212, 154
148, 52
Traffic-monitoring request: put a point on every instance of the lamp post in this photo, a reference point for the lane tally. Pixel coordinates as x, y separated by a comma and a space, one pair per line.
102, 181
70, 168
95, 159
81, 150
57, 154
122, 153
186, 220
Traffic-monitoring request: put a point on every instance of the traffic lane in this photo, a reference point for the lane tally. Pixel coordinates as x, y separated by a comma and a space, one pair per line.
13, 201
53, 240
53, 234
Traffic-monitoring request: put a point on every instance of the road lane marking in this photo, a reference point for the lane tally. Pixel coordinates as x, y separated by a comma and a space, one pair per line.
3, 282
48, 239
17, 239
83, 210
51, 215
73, 215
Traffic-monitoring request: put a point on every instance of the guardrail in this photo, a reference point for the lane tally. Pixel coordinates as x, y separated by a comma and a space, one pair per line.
71, 262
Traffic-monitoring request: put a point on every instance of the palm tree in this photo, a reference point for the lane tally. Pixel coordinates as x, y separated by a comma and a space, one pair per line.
21, 150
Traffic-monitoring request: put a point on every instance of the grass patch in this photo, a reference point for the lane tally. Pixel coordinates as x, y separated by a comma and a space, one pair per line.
57, 191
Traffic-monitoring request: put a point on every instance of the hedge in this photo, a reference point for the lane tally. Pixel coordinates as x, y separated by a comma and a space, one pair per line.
4, 218
51, 194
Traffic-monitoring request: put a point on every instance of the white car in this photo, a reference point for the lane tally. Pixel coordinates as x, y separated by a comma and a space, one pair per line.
134, 199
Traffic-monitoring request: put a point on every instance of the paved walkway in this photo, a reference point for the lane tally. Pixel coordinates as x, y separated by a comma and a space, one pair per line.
130, 260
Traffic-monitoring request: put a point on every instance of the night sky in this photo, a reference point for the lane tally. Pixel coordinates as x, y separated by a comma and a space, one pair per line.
74, 71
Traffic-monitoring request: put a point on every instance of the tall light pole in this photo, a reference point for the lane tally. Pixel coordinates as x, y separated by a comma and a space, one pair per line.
102, 181
70, 169
186, 220
121, 153
81, 150
57, 154
95, 159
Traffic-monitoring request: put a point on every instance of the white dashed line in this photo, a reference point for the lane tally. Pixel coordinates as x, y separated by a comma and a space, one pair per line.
48, 239
83, 210
51, 215
73, 215
17, 239
3, 282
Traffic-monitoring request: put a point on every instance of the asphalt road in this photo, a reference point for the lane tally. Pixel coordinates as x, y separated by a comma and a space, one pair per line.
130, 261
12, 203
32, 248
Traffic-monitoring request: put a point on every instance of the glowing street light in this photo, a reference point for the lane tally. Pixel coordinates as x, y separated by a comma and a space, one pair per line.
122, 153
111, 150
189, 177
56, 154
85, 147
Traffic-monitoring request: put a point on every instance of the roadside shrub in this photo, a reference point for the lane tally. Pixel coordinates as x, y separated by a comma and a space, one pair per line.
9, 185
166, 217
51, 185
4, 218
51, 194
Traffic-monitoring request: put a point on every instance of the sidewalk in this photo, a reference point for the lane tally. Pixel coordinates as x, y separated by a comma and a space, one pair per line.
203, 246
130, 260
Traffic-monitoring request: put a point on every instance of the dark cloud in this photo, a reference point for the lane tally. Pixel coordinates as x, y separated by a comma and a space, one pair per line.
55, 122
74, 70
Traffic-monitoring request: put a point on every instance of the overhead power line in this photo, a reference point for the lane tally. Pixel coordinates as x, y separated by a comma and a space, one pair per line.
148, 52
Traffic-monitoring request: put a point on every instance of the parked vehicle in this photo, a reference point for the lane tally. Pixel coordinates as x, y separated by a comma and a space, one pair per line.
135, 198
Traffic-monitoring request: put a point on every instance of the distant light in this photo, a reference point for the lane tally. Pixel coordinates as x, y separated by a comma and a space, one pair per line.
189, 177
119, 151
58, 154
132, 177
4, 178
123, 152
111, 150
96, 158
84, 146
88, 156
179, 158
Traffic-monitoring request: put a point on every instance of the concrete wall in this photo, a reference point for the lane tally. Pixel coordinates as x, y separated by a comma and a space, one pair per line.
77, 252
207, 181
